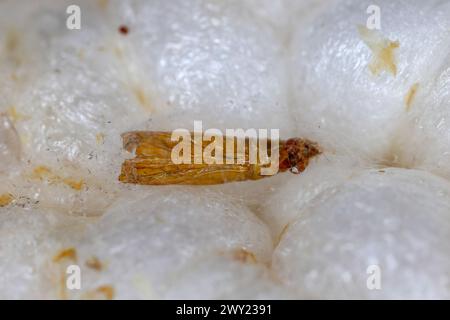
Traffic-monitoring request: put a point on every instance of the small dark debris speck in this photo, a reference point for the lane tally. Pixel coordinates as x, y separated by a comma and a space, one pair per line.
123, 30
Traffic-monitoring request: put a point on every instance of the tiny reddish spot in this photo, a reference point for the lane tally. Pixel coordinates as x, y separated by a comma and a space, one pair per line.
123, 29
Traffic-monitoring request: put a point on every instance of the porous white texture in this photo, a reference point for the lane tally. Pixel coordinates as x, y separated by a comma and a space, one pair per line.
161, 237
335, 92
9, 144
299, 66
29, 240
209, 60
395, 219
287, 203
222, 278
424, 143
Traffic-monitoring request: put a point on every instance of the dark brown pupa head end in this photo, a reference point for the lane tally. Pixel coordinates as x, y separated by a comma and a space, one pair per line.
297, 153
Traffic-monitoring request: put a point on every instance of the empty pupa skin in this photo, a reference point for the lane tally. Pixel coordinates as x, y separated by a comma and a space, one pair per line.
153, 164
